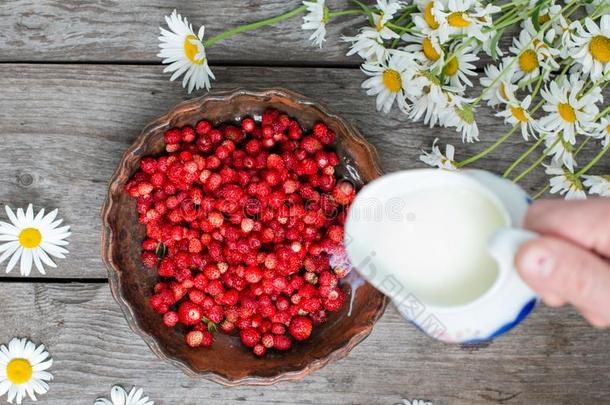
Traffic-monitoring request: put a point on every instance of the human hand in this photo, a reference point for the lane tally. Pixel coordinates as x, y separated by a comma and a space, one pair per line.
570, 262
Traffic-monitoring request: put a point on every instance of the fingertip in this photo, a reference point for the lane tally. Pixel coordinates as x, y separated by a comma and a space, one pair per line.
596, 320
535, 261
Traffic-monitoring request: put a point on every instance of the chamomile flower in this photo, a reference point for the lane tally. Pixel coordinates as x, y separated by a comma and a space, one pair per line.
561, 150
316, 19
391, 81
425, 20
567, 110
185, 53
517, 113
591, 47
534, 56
387, 9
599, 185
118, 396
432, 100
500, 81
459, 67
565, 183
32, 239
428, 49
460, 114
23, 370
369, 42
435, 157
464, 17
601, 130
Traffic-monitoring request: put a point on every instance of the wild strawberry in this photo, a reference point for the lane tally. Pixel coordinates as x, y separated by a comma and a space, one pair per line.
167, 267
267, 340
282, 342
188, 134
214, 288
344, 193
207, 339
259, 350
319, 317
335, 303
310, 305
250, 337
194, 338
212, 272
248, 125
335, 233
190, 313
311, 145
227, 326
215, 314
196, 296
170, 319
149, 259
300, 327
172, 136
253, 274
203, 127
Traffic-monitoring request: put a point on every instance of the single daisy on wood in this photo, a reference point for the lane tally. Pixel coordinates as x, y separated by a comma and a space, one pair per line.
23, 370
185, 53
32, 239
118, 396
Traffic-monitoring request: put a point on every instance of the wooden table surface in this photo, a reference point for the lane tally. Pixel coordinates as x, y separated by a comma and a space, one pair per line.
80, 78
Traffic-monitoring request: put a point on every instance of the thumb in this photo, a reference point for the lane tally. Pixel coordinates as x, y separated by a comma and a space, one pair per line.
562, 271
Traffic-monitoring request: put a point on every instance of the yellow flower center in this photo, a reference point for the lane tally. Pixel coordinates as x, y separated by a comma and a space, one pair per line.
429, 17
30, 238
608, 128
528, 61
191, 50
392, 80
457, 20
379, 25
19, 371
567, 112
451, 67
600, 48
429, 50
519, 114
544, 19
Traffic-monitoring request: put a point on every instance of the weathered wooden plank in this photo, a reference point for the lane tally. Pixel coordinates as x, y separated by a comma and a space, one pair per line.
115, 30
554, 357
63, 129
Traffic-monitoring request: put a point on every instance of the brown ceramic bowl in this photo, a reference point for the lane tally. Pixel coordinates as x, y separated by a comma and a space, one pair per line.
228, 362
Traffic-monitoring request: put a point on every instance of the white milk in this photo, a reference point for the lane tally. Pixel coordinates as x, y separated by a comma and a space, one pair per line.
438, 250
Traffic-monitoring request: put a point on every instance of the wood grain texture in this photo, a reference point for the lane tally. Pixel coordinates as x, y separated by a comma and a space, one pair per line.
553, 357
118, 30
64, 128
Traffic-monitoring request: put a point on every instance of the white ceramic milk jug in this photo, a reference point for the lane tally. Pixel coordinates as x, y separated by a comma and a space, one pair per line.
441, 245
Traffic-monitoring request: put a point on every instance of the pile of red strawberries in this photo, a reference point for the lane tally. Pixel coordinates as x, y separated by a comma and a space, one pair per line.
240, 223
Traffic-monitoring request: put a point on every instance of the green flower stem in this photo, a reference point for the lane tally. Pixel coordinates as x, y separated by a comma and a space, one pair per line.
541, 192
402, 28
489, 149
536, 163
594, 161
253, 26
523, 156
602, 113
346, 12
